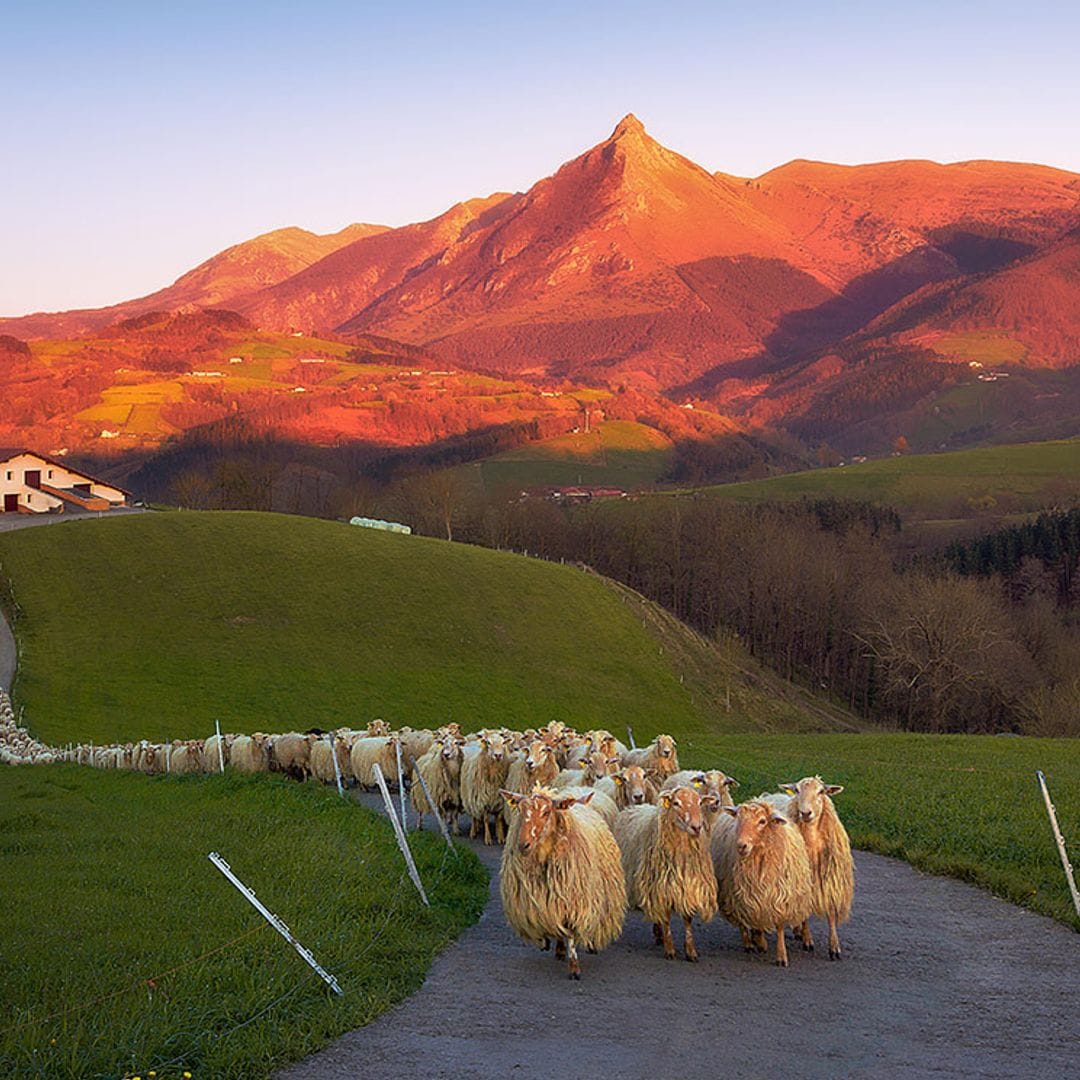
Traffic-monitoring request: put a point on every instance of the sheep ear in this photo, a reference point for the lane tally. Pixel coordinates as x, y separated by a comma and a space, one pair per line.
586, 799
511, 799
833, 789
730, 781
665, 799
568, 801
789, 789
732, 810
779, 819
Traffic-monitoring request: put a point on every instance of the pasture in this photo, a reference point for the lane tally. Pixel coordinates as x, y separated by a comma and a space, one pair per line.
1014, 478
166, 622
124, 949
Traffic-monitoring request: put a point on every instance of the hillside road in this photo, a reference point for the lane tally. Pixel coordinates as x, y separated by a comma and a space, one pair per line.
938, 979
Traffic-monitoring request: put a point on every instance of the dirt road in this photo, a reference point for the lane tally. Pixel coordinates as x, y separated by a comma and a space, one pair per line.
939, 979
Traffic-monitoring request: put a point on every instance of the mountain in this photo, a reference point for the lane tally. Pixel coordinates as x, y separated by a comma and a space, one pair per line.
254, 264
813, 296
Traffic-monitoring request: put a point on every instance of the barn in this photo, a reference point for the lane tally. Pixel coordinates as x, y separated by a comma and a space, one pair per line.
33, 483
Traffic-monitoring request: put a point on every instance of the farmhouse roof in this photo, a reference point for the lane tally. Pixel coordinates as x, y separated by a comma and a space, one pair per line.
9, 452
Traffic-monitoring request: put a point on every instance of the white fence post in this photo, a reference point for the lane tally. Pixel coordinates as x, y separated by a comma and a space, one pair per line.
1060, 840
402, 842
220, 748
630, 736
401, 785
337, 764
274, 921
431, 804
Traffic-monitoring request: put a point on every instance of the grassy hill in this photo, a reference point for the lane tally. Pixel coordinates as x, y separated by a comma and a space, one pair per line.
124, 950
1016, 477
155, 625
619, 453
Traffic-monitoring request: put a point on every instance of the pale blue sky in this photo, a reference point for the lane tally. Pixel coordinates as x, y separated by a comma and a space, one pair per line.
140, 138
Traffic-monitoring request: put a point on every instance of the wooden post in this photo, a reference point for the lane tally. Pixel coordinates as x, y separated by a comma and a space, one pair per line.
431, 804
402, 842
1060, 840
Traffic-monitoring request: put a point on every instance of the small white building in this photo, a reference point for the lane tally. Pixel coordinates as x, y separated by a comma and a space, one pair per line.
33, 483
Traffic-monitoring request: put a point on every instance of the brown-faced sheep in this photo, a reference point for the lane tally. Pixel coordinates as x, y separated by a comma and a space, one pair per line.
708, 782
211, 757
291, 754
659, 757
628, 787
441, 769
561, 875
538, 766
250, 753
762, 872
186, 757
667, 863
832, 868
483, 774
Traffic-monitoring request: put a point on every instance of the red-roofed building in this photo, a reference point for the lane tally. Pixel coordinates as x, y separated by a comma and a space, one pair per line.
33, 483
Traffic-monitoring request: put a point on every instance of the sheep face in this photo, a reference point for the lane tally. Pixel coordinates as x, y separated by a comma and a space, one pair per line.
494, 744
809, 794
451, 748
684, 805
752, 820
539, 753
539, 819
665, 746
632, 779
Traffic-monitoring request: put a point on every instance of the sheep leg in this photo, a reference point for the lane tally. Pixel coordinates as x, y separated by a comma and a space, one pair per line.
761, 944
689, 948
657, 934
500, 829
807, 937
781, 947
546, 947
747, 941
420, 821
474, 828
575, 966
560, 949
487, 829
834, 939
669, 941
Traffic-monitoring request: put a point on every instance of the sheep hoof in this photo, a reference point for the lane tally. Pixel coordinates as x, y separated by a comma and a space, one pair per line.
834, 954
691, 958
576, 976
591, 952
808, 948
669, 955
781, 963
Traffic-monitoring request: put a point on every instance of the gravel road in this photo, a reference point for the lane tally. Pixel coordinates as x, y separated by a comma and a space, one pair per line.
939, 979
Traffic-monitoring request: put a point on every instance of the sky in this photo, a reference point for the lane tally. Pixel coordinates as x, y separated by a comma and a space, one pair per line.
141, 138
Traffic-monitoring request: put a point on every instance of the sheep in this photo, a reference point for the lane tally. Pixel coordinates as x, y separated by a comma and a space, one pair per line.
322, 756
291, 753
538, 766
710, 782
762, 871
441, 769
185, 757
667, 863
211, 760
594, 766
658, 757
832, 869
561, 875
600, 803
250, 753
483, 773
368, 751
414, 744
628, 787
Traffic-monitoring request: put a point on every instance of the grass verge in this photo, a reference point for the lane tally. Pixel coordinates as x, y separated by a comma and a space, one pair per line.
123, 950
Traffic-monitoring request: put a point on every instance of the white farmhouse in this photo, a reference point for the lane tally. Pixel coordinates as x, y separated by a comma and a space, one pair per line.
33, 483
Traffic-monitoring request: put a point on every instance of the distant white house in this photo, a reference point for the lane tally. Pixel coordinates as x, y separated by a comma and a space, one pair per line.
33, 483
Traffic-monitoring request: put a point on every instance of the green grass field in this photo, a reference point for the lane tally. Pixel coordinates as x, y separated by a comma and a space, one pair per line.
1023, 476
124, 950
618, 453
156, 625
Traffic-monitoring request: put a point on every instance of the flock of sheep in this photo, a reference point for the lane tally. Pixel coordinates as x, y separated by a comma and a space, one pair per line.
589, 827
